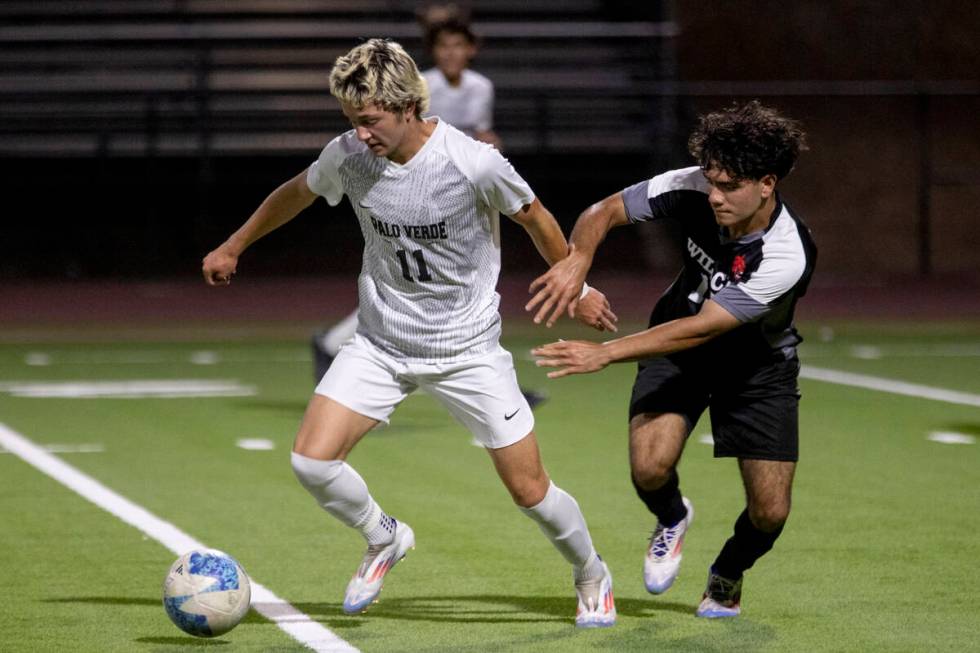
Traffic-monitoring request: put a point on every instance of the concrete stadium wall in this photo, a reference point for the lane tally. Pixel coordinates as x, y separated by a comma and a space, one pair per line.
884, 171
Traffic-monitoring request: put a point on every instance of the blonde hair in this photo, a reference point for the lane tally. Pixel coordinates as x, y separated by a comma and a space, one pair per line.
379, 72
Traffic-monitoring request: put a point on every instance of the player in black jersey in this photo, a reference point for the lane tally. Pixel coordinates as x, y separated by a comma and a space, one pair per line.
721, 338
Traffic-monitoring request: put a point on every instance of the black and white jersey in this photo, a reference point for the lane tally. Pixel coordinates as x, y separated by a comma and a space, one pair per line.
431, 227
757, 278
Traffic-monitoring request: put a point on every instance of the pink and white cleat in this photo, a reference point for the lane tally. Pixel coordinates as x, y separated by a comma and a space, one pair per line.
663, 559
596, 607
365, 586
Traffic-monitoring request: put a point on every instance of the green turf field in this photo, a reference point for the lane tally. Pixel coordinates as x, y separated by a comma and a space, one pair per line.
880, 553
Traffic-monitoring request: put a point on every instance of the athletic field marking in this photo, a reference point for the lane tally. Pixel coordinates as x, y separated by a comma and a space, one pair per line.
298, 625
873, 352
69, 448
255, 444
37, 359
139, 389
153, 357
205, 358
866, 352
951, 437
889, 385
706, 438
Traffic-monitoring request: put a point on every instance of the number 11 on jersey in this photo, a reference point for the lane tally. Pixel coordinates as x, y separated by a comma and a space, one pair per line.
419, 263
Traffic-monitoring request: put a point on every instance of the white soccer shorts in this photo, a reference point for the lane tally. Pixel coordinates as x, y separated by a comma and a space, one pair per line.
481, 393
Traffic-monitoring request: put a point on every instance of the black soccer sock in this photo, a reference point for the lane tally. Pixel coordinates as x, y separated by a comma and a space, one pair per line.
742, 549
665, 502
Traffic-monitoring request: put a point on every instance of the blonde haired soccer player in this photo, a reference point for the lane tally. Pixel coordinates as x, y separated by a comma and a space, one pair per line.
428, 200
459, 96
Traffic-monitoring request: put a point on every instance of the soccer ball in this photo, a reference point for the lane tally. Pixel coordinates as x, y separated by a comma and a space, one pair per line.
206, 593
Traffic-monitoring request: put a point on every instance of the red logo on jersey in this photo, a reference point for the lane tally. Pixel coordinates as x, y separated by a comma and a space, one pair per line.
738, 267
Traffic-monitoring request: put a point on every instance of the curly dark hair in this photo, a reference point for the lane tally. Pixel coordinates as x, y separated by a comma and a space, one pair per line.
748, 141
450, 25
439, 19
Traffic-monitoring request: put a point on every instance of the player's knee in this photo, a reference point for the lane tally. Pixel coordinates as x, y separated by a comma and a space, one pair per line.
319, 442
315, 473
770, 516
651, 475
529, 491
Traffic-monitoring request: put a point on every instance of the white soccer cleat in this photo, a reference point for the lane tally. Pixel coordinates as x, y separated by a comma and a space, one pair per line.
663, 559
365, 586
596, 607
722, 597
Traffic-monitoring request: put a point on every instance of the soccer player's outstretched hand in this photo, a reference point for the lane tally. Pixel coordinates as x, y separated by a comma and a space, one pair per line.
572, 356
558, 289
218, 266
593, 310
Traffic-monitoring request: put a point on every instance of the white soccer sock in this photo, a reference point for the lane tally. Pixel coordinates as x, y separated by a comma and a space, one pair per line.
561, 520
340, 333
341, 491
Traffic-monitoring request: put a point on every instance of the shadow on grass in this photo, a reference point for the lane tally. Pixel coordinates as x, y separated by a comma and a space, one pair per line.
964, 427
653, 631
484, 608
182, 641
250, 617
106, 600
742, 634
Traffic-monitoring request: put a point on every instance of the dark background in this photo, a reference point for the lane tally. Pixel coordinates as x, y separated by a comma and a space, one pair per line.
136, 136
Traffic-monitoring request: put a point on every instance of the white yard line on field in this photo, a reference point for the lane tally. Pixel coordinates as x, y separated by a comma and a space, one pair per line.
154, 357
889, 385
868, 351
70, 448
255, 444
951, 437
134, 389
298, 625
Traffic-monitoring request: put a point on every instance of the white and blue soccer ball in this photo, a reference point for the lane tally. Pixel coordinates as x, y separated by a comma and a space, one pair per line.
206, 593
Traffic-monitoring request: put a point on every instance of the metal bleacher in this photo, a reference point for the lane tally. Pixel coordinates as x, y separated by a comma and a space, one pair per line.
86, 78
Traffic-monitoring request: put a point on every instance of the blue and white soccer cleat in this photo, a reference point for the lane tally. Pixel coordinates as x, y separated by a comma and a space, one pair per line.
722, 597
663, 559
365, 586
596, 607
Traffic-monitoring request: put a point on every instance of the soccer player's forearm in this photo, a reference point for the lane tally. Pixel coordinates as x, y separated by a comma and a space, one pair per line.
593, 225
549, 241
660, 340
544, 231
282, 205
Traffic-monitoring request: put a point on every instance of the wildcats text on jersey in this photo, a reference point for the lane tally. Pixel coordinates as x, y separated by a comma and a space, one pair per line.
700, 256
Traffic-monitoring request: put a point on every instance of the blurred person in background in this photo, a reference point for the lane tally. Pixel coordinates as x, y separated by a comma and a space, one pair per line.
428, 199
722, 337
457, 95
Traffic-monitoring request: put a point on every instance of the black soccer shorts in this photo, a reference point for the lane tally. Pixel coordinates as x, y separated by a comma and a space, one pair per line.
754, 414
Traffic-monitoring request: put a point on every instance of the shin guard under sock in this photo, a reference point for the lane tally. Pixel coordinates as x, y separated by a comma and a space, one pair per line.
665, 502
742, 549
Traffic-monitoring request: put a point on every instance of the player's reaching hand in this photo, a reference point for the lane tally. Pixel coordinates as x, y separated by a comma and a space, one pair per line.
218, 266
572, 356
558, 289
593, 310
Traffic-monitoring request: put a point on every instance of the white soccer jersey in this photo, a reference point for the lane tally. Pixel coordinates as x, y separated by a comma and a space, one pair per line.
467, 107
427, 287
